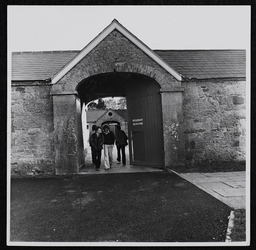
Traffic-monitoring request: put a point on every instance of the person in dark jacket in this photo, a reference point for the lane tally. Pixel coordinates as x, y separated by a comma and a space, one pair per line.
93, 151
121, 143
109, 140
96, 142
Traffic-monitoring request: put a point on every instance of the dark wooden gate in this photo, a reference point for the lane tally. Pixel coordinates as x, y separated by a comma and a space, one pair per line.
145, 122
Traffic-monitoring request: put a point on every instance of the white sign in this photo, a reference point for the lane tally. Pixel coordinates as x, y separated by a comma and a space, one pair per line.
136, 122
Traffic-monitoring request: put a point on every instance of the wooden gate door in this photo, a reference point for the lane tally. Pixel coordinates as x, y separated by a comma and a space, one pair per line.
145, 122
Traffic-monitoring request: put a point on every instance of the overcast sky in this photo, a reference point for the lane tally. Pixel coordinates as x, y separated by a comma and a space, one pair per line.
41, 28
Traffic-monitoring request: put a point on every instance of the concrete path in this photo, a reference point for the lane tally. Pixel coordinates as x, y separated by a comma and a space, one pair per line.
118, 168
228, 187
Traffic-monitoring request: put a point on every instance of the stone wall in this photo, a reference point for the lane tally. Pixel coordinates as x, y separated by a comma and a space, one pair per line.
214, 121
31, 129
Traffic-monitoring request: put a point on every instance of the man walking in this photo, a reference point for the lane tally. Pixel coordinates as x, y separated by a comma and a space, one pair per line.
108, 145
96, 142
121, 143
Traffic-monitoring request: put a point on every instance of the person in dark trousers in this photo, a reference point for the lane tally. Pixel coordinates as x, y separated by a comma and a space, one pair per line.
109, 140
121, 143
91, 133
96, 142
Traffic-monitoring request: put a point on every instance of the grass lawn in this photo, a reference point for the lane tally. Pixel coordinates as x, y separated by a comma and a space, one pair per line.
239, 230
211, 168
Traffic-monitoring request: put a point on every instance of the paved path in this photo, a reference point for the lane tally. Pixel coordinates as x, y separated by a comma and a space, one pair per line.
228, 187
118, 168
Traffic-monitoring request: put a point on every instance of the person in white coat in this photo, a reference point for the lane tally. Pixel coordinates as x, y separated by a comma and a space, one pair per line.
109, 140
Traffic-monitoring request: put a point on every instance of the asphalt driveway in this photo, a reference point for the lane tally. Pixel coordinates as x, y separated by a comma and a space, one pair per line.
135, 207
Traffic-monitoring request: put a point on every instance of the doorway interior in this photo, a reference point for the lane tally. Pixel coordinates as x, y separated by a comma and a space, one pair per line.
114, 114
145, 131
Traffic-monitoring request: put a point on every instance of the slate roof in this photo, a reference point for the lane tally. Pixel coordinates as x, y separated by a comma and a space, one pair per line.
205, 64
199, 64
94, 115
30, 66
122, 113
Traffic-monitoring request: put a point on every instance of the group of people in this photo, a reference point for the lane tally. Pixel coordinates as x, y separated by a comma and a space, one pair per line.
105, 140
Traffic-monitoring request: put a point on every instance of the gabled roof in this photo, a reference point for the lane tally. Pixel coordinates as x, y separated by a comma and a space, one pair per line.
114, 25
199, 64
95, 115
122, 113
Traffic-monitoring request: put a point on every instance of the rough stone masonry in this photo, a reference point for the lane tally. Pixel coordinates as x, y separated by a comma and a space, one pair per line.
214, 121
32, 128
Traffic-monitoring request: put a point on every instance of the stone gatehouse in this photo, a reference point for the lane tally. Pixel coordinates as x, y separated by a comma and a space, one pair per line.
184, 107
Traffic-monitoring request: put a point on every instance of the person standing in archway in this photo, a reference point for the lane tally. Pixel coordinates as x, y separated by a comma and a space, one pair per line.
96, 142
94, 127
121, 143
109, 140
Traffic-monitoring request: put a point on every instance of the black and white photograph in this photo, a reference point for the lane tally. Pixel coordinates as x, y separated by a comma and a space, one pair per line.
128, 125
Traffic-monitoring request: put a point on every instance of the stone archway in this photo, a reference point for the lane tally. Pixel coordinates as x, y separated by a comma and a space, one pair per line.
114, 54
68, 131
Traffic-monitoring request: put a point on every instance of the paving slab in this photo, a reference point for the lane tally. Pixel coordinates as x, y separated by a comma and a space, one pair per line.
235, 184
228, 187
236, 178
212, 179
223, 189
219, 174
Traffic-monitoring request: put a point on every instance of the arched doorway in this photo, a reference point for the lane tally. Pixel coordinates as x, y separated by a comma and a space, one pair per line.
145, 129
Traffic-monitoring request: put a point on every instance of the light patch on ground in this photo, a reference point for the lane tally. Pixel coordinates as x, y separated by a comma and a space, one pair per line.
179, 184
70, 191
155, 183
83, 201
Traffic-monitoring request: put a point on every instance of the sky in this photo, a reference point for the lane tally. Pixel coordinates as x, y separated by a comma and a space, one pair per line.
48, 28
